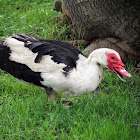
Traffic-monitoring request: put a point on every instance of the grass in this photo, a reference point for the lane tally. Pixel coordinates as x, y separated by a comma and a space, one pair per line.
35, 18
24, 112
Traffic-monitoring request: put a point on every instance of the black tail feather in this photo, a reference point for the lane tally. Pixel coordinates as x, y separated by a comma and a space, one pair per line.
24, 37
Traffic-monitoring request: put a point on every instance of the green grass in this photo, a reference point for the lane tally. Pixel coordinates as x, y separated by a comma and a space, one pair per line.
35, 18
24, 111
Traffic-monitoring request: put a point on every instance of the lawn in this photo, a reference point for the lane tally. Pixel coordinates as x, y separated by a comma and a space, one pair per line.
108, 114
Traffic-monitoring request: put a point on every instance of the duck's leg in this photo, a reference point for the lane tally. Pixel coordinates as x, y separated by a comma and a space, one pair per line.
51, 95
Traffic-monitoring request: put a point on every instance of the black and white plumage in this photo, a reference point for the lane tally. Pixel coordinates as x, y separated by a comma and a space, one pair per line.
57, 65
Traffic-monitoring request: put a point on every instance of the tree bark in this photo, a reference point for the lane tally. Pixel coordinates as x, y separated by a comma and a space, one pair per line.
106, 18
112, 24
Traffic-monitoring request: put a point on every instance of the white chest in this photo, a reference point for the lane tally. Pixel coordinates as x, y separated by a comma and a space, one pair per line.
86, 80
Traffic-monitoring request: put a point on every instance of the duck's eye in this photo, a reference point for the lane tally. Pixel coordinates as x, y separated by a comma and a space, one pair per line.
112, 57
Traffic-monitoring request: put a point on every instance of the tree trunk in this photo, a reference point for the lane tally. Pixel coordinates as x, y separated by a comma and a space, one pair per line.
120, 19
105, 18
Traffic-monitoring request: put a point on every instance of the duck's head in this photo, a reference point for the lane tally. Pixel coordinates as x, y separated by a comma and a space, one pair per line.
115, 64
111, 59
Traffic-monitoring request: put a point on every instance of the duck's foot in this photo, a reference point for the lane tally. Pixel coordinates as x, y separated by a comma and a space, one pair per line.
66, 103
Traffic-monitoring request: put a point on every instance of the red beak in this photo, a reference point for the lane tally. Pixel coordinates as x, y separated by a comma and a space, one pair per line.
119, 70
122, 71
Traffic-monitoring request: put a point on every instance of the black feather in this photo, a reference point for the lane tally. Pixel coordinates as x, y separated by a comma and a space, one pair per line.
34, 45
24, 37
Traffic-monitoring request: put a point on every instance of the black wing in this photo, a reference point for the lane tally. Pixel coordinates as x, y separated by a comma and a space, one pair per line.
61, 52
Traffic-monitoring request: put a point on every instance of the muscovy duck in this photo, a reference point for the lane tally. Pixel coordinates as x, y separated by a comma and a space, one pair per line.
55, 65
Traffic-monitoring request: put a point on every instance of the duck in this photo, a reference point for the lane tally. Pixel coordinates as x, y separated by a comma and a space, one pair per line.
57, 66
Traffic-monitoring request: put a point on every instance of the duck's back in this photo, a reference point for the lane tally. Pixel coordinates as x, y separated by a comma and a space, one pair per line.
26, 57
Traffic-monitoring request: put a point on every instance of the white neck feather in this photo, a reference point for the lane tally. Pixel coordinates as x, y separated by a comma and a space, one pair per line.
88, 73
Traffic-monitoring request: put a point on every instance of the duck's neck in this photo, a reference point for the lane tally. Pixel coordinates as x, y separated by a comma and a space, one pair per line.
87, 75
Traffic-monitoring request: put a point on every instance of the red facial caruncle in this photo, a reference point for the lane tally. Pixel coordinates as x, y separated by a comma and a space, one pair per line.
116, 65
